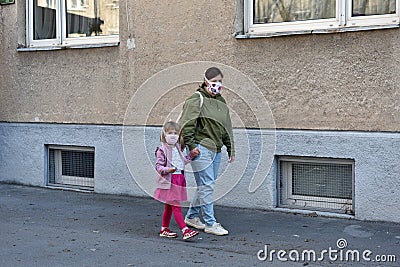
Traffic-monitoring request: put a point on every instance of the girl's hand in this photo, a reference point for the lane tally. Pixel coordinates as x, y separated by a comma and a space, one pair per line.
231, 159
194, 152
171, 170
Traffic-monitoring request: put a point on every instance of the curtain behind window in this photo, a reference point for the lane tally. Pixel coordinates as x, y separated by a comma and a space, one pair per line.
44, 20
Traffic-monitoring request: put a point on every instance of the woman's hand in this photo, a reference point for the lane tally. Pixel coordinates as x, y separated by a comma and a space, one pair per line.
194, 152
231, 159
171, 170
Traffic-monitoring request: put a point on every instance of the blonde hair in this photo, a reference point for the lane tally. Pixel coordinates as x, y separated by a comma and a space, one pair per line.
175, 126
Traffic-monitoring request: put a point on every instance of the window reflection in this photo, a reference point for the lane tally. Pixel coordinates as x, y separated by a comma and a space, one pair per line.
271, 11
84, 18
373, 7
92, 18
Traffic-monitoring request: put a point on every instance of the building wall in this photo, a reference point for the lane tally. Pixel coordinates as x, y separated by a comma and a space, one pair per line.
346, 84
127, 166
343, 81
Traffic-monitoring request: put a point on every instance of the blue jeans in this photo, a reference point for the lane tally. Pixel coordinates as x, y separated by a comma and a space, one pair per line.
205, 168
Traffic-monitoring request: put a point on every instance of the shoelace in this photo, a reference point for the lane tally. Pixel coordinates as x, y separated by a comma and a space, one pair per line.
219, 226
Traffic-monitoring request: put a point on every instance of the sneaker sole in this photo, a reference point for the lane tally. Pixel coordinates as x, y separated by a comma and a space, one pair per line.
214, 233
195, 225
187, 237
174, 236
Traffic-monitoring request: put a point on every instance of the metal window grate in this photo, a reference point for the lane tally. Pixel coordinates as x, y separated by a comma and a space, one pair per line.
71, 166
316, 184
52, 169
78, 163
322, 180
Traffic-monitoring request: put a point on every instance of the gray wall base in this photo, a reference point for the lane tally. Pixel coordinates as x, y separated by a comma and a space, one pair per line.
121, 167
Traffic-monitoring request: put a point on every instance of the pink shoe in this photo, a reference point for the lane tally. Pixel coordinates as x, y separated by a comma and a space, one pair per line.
167, 233
188, 233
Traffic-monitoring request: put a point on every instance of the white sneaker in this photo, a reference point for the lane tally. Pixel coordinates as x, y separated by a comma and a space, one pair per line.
195, 222
216, 229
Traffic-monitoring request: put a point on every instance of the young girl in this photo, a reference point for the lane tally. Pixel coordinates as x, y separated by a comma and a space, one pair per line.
171, 183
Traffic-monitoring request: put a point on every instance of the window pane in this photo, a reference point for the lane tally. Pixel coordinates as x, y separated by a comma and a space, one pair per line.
44, 19
322, 180
92, 18
373, 7
78, 163
270, 11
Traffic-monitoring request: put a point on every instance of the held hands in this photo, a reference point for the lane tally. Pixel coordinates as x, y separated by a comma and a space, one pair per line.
194, 152
171, 170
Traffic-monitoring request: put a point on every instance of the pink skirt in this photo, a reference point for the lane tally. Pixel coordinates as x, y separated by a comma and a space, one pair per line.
176, 193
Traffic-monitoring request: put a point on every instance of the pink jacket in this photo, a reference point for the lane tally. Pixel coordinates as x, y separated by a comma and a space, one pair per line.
163, 164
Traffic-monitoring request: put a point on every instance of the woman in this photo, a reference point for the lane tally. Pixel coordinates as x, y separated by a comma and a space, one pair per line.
206, 128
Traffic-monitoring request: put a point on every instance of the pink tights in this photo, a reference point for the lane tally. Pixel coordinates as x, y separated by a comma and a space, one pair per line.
166, 218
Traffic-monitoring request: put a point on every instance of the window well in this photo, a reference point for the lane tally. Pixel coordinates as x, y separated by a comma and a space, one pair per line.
71, 166
316, 184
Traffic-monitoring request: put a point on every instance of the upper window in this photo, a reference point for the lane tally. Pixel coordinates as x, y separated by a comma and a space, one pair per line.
72, 22
269, 17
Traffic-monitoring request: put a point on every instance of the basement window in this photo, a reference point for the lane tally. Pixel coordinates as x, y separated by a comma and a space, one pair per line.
71, 166
316, 184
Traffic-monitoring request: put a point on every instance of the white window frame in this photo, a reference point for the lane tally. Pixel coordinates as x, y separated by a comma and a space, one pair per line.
343, 22
61, 39
65, 180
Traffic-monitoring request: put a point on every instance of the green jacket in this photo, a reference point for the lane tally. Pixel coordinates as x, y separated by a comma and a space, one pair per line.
209, 125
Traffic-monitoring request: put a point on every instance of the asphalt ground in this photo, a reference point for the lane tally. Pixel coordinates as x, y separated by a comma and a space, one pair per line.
47, 227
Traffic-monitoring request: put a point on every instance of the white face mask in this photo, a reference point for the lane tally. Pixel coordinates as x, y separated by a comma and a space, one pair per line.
214, 87
171, 139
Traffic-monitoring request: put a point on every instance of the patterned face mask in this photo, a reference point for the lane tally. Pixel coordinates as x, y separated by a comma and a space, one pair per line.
214, 87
